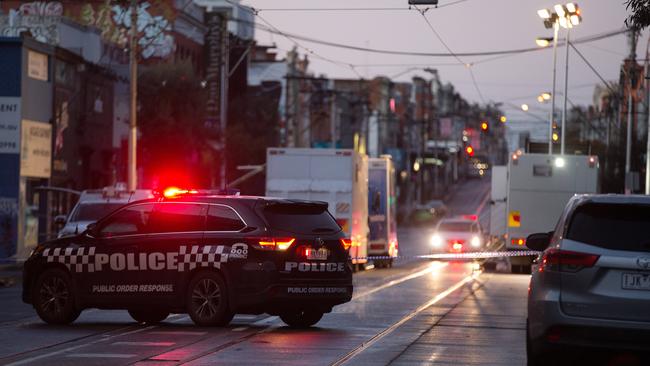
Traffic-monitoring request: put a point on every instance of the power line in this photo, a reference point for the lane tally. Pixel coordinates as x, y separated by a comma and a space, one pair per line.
357, 9
593, 69
425, 54
460, 61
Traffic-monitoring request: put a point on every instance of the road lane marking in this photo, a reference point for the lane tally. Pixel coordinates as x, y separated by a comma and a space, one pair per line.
144, 344
50, 354
239, 329
405, 319
101, 355
421, 273
178, 332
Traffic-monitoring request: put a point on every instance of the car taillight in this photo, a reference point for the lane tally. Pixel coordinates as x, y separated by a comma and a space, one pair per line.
275, 243
457, 247
566, 261
347, 243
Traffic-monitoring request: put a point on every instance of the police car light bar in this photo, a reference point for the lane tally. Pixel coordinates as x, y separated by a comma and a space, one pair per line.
171, 192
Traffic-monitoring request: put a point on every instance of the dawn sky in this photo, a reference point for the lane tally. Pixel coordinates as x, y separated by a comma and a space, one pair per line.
465, 26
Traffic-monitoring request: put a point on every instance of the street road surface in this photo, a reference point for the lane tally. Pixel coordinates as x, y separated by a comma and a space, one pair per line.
419, 312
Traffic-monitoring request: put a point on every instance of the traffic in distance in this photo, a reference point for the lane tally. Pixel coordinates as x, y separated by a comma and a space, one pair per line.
281, 182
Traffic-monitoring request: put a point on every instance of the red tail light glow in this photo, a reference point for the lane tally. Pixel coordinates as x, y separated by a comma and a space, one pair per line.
347, 243
567, 261
276, 243
457, 247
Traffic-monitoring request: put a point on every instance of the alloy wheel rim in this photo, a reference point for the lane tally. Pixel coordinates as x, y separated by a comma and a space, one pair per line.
54, 295
206, 297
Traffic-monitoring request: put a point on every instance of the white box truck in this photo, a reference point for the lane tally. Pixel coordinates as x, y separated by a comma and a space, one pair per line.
382, 210
539, 187
336, 176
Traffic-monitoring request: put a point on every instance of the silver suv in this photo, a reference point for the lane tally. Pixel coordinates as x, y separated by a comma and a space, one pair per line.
591, 285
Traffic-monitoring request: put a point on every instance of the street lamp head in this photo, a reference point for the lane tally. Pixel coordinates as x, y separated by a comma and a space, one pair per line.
575, 19
564, 23
524, 107
546, 95
540, 99
544, 13
560, 10
571, 7
543, 41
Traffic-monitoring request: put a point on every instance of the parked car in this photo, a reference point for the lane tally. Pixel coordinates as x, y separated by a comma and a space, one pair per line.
591, 286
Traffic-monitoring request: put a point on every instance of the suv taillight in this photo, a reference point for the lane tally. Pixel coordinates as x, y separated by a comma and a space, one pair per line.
346, 243
274, 243
566, 261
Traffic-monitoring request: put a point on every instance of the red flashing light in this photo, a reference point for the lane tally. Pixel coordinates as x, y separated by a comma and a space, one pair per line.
470, 217
469, 150
171, 192
347, 243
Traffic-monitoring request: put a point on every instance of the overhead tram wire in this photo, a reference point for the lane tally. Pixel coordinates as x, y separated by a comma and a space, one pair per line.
262, 27
460, 61
356, 9
255, 12
593, 69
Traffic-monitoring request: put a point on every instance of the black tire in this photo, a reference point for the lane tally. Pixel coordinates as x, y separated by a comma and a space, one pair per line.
148, 316
301, 318
53, 297
534, 355
207, 300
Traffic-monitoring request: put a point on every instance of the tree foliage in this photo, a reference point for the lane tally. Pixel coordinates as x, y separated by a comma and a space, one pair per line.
171, 122
640, 17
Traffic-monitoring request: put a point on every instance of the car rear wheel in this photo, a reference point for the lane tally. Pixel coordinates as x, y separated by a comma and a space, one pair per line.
301, 318
53, 297
207, 300
148, 316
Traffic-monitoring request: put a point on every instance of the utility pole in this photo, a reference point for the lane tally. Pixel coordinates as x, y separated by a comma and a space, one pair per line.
647, 103
333, 115
566, 94
556, 31
630, 63
133, 124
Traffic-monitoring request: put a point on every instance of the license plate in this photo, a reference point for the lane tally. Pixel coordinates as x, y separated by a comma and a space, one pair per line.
318, 254
636, 281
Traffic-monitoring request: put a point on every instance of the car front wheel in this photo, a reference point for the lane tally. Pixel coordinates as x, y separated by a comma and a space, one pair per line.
301, 318
53, 297
207, 300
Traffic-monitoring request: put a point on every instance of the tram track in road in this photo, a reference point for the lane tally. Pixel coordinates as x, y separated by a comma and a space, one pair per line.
270, 320
377, 337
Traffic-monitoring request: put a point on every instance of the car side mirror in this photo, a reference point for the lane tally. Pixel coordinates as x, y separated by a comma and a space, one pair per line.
59, 220
539, 241
91, 229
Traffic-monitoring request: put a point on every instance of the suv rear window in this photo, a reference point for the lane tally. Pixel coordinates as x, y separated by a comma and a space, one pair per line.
612, 226
301, 218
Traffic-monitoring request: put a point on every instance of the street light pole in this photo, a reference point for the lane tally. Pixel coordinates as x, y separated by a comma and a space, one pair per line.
556, 29
566, 92
133, 125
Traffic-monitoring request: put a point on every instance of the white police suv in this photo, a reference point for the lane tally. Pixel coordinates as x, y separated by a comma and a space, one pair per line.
205, 255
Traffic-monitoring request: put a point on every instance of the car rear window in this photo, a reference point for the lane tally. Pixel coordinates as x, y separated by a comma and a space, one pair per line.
301, 218
612, 226
455, 226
